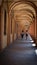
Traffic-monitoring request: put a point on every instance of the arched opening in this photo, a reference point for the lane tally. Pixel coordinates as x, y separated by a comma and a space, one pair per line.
22, 14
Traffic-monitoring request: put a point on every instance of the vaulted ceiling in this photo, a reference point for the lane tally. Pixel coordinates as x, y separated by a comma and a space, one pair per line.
35, 1
24, 13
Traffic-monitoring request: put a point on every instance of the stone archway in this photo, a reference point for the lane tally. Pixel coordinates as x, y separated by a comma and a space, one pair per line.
26, 12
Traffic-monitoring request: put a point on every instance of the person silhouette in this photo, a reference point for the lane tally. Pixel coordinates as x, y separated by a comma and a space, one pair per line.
22, 34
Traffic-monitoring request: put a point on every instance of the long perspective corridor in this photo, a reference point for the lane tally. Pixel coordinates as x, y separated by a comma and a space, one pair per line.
21, 52
18, 32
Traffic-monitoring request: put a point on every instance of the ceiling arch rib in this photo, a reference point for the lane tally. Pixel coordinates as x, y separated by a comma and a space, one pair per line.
22, 5
24, 10
23, 14
28, 8
23, 17
15, 3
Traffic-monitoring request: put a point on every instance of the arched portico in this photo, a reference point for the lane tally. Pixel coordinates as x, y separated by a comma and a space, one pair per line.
21, 12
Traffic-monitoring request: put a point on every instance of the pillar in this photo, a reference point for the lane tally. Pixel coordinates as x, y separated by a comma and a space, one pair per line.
16, 31
13, 27
0, 28
36, 30
8, 30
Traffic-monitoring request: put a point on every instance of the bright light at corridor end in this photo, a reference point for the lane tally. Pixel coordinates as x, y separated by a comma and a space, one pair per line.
34, 44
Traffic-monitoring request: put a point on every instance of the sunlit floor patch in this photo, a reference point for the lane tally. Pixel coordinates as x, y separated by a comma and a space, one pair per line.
34, 44
36, 51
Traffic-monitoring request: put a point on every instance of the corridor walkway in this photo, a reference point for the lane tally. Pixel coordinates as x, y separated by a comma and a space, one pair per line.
19, 53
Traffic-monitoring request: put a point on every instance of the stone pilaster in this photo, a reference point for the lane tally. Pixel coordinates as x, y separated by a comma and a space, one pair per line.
8, 30
0, 28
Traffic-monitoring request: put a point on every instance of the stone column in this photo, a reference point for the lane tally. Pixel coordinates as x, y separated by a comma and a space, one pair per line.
0, 28
8, 30
16, 31
36, 30
13, 27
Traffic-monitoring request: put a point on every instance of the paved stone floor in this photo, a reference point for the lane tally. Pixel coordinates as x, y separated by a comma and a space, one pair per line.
19, 53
